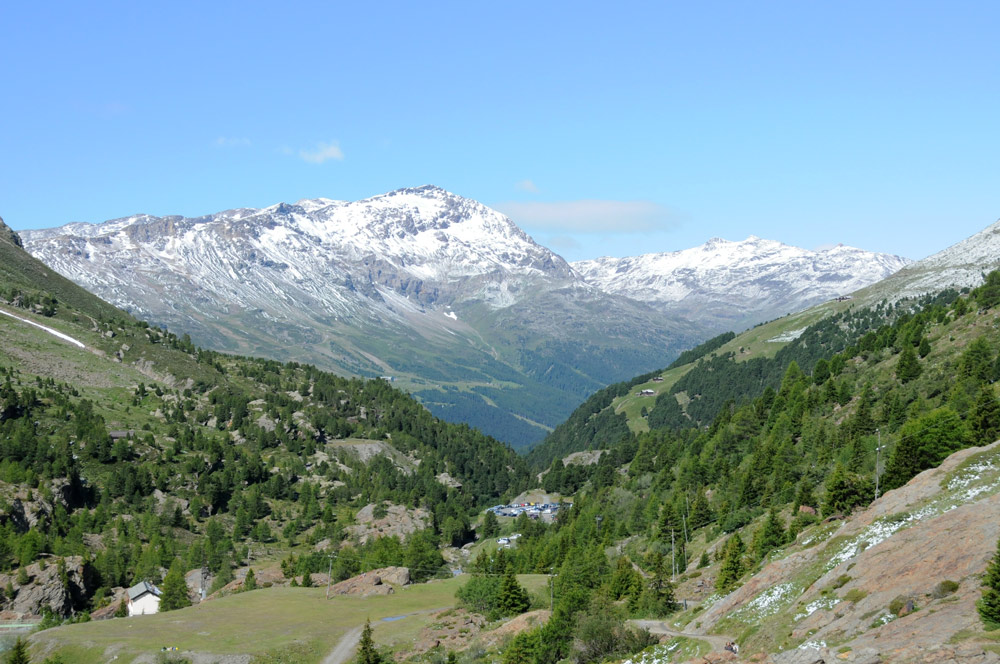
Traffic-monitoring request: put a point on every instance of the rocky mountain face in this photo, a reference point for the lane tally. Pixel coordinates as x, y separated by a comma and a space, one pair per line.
440, 292
732, 285
896, 582
960, 265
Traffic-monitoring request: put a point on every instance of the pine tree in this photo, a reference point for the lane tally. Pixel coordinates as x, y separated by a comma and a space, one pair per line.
250, 580
704, 561
924, 443
174, 589
988, 295
770, 535
19, 653
804, 496
523, 648
908, 366
985, 418
490, 525
513, 599
845, 491
732, 567
989, 604
367, 652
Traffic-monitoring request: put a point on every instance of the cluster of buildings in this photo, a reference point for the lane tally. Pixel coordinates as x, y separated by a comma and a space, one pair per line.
533, 510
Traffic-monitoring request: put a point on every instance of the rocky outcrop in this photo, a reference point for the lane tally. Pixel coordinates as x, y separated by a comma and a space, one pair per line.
49, 588
7, 234
27, 508
376, 582
397, 521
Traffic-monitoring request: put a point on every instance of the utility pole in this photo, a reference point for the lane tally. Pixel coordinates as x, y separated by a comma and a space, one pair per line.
329, 577
878, 459
673, 558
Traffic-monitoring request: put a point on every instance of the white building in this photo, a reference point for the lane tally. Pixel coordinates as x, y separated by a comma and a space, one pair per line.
143, 599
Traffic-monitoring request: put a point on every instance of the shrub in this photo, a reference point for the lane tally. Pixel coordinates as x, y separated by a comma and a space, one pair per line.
840, 582
944, 589
855, 595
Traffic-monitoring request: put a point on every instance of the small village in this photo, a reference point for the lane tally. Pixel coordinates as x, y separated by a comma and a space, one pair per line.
544, 511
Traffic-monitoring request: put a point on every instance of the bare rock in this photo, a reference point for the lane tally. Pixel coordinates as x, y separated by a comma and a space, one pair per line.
375, 582
397, 522
45, 588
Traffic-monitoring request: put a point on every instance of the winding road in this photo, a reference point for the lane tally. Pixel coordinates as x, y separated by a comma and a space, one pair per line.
717, 642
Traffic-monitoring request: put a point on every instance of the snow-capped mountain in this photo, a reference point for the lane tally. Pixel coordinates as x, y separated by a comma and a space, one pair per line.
424, 245
738, 284
441, 292
960, 265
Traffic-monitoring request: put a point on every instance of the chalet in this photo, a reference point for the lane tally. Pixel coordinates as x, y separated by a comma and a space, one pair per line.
143, 599
646, 393
658, 379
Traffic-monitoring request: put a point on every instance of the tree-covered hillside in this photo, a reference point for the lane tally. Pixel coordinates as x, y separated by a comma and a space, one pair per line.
721, 493
140, 450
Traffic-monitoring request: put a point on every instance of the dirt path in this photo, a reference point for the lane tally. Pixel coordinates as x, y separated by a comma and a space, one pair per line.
344, 649
659, 627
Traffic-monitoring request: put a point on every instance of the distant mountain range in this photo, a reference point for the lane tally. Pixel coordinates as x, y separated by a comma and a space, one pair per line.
733, 285
443, 294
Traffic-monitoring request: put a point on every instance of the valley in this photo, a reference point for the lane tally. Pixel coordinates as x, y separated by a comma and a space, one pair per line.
444, 295
736, 502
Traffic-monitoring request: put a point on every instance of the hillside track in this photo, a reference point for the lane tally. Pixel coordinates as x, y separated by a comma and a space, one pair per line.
717, 642
344, 649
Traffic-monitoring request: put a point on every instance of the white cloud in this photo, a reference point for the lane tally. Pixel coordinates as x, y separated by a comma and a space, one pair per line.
526, 185
231, 142
589, 216
562, 242
323, 152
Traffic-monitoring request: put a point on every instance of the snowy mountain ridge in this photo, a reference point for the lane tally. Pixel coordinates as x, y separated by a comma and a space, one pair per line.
961, 265
442, 292
743, 282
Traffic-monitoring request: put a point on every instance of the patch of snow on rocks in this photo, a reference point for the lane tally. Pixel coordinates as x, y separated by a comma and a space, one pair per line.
785, 337
971, 473
768, 602
654, 655
812, 607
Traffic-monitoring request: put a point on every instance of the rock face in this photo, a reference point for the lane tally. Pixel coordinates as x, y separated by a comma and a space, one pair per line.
7, 234
871, 585
376, 582
47, 589
396, 522
27, 508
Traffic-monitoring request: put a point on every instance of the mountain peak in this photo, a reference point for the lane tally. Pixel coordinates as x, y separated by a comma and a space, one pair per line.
7, 233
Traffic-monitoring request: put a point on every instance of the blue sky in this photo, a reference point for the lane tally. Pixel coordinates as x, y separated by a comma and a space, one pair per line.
601, 128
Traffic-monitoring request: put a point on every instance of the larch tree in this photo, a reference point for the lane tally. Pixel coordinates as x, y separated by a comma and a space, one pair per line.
989, 604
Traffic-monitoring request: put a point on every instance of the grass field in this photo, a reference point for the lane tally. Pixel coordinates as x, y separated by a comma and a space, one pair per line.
257, 622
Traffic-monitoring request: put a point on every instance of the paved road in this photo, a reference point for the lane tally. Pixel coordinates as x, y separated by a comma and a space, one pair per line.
659, 627
344, 650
